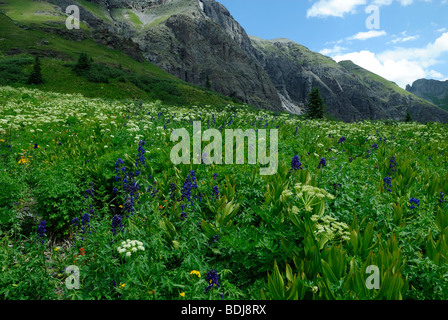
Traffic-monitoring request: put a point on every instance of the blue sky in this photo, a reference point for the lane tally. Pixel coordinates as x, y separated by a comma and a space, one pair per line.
409, 41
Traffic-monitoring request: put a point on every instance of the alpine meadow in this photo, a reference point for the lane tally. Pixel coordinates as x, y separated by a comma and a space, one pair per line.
155, 151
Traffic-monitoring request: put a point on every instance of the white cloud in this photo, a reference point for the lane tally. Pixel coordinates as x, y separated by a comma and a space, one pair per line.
426, 56
389, 2
367, 35
403, 39
336, 50
339, 8
402, 65
334, 8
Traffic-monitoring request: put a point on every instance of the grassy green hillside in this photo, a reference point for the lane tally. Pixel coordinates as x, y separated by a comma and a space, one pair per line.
440, 102
122, 77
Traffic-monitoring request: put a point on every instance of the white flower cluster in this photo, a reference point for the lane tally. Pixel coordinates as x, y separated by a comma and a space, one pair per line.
312, 191
331, 228
307, 190
129, 247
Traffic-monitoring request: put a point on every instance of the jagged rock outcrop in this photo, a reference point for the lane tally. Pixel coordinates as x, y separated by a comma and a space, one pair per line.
203, 40
434, 91
350, 92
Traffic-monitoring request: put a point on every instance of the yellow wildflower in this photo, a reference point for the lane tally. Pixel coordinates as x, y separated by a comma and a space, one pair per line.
182, 294
121, 286
23, 160
196, 273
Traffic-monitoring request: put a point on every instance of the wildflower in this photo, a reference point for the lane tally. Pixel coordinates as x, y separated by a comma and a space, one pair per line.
41, 231
295, 163
129, 247
88, 193
117, 224
414, 202
375, 146
195, 272
392, 165
122, 285
341, 140
23, 160
189, 185
387, 183
141, 153
215, 238
85, 218
215, 176
182, 294
36, 146
212, 279
322, 163
216, 191
172, 190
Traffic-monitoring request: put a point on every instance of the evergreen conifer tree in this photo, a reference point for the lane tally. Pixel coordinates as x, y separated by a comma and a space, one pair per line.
83, 64
315, 108
36, 75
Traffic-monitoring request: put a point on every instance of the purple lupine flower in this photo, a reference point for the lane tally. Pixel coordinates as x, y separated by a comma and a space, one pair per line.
212, 280
41, 231
88, 193
296, 164
414, 202
117, 224
172, 190
216, 191
387, 183
322, 163
392, 166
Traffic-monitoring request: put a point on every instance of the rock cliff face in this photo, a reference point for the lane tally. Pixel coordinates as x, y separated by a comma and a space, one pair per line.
205, 41
196, 39
434, 91
350, 92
